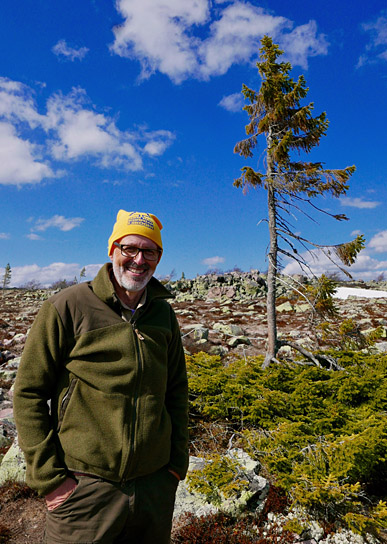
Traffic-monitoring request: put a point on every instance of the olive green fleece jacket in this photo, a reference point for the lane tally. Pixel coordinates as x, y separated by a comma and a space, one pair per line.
117, 390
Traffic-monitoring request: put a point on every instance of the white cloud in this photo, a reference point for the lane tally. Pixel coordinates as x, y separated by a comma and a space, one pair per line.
212, 261
154, 32
79, 131
235, 37
4, 236
232, 102
356, 232
302, 43
378, 243
58, 221
359, 203
70, 130
18, 159
62, 49
160, 35
33, 236
17, 104
46, 275
376, 49
158, 142
365, 266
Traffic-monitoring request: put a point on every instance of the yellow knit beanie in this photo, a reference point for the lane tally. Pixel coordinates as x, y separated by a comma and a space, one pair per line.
144, 224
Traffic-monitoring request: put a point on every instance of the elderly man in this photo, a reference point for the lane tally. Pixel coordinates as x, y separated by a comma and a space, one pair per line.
101, 399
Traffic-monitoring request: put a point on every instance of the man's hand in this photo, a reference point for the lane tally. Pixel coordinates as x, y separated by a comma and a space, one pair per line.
60, 494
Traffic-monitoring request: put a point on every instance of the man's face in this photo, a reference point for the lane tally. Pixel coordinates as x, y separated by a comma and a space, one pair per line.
133, 274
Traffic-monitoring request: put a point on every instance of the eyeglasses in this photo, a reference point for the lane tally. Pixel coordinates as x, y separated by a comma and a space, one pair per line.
132, 252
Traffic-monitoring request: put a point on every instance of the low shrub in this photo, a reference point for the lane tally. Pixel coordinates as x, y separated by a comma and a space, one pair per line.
321, 435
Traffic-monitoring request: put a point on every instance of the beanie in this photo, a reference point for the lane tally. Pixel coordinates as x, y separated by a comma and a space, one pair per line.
144, 224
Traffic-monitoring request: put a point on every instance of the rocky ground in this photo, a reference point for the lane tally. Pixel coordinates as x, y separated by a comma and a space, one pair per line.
223, 314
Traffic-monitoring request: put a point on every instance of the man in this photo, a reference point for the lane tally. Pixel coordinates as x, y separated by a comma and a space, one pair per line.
101, 399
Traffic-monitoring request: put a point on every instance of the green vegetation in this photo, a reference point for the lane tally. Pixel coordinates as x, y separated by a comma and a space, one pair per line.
320, 435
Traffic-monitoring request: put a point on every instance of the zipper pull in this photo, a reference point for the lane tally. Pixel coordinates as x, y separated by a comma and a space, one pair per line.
139, 335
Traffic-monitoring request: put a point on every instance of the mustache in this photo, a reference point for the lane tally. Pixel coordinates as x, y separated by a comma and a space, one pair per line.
144, 266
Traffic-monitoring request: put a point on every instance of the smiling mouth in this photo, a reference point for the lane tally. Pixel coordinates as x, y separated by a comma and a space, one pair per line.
137, 271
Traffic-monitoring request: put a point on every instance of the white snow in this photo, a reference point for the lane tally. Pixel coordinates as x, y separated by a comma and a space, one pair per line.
345, 292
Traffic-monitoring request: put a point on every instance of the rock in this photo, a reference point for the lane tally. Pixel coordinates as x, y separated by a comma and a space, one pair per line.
285, 307
13, 466
237, 340
19, 338
218, 350
254, 495
381, 347
5, 435
8, 374
299, 308
229, 330
188, 502
201, 333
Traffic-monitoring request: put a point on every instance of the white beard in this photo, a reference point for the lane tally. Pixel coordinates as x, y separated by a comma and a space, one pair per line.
129, 282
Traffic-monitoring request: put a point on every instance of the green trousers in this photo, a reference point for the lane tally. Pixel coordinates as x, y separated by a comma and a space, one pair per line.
101, 512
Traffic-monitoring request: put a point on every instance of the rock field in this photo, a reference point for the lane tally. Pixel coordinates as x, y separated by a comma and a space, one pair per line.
220, 314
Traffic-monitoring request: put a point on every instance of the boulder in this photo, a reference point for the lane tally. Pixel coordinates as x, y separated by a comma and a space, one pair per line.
191, 502
285, 307
13, 466
237, 340
229, 330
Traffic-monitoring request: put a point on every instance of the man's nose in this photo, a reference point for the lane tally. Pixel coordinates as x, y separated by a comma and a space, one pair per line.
139, 258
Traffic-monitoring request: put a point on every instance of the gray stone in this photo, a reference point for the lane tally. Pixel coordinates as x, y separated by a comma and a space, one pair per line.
285, 307
19, 338
218, 350
381, 347
237, 340
8, 374
229, 330
13, 466
5, 439
201, 333
300, 308
255, 493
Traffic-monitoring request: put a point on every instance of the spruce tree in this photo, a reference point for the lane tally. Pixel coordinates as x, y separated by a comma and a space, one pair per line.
275, 112
6, 277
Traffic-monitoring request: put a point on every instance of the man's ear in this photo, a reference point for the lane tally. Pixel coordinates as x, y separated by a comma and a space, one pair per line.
111, 256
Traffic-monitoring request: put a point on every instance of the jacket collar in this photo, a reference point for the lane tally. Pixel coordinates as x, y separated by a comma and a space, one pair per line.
104, 289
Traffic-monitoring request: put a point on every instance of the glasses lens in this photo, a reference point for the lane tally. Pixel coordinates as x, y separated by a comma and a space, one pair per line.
150, 254
129, 251
132, 252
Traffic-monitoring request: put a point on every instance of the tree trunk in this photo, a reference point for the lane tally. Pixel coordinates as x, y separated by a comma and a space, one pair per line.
271, 282
272, 346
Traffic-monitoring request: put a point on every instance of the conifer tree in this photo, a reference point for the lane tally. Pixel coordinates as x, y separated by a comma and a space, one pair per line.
6, 277
275, 112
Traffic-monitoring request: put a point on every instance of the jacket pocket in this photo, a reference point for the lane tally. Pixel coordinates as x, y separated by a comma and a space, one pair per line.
93, 426
65, 401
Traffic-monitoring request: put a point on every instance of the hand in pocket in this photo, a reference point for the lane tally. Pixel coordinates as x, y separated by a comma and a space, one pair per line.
60, 494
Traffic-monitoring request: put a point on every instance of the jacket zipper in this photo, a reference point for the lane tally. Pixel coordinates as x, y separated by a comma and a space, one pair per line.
137, 336
65, 401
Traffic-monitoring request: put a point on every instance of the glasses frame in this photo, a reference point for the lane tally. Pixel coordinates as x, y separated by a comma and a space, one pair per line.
138, 250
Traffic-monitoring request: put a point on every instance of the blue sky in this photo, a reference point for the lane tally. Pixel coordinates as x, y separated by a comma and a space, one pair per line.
137, 105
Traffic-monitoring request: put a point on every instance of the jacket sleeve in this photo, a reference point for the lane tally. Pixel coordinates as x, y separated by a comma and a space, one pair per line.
36, 382
177, 402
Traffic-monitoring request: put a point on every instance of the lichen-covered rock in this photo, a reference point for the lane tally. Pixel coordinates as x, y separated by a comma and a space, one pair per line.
255, 493
13, 466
